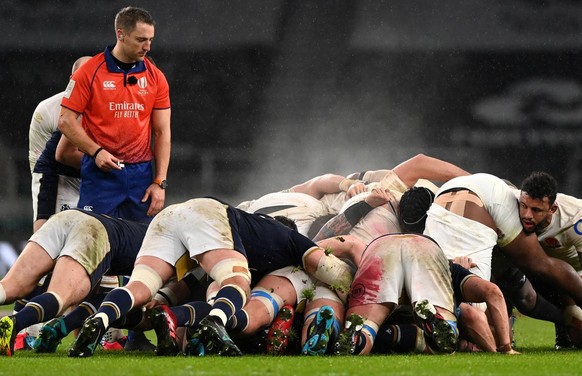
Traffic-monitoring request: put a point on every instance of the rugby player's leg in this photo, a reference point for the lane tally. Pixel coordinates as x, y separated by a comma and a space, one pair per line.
146, 279
22, 278
230, 270
361, 327
320, 329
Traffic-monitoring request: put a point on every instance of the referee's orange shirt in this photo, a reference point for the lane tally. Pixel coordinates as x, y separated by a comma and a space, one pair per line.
117, 106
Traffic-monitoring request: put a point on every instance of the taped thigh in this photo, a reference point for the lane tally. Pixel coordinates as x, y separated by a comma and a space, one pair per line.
228, 268
148, 276
297, 277
272, 301
324, 292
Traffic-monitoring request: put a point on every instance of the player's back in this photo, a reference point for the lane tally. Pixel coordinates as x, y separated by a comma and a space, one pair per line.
44, 122
269, 245
302, 208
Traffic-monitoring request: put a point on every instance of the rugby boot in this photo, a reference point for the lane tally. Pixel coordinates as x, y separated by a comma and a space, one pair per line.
113, 340
7, 335
51, 335
195, 347
117, 345
319, 332
164, 324
348, 338
441, 335
21, 341
214, 337
25, 338
88, 338
137, 341
278, 335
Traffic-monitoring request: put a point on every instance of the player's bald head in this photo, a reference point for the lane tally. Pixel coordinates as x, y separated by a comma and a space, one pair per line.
80, 61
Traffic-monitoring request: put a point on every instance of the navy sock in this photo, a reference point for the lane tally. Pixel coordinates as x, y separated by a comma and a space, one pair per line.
116, 304
40, 308
190, 314
238, 322
128, 321
396, 339
74, 319
228, 300
20, 303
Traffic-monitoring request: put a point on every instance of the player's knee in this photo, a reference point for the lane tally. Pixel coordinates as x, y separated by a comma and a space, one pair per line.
470, 315
148, 277
331, 297
2, 294
272, 301
231, 271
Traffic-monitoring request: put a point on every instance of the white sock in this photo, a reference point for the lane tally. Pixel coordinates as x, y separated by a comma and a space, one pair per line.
218, 313
104, 318
2, 294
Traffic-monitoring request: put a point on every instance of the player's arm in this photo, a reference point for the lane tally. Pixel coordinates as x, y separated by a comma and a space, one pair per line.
67, 153
476, 289
321, 262
70, 126
344, 222
424, 167
527, 254
345, 247
162, 148
418, 167
320, 185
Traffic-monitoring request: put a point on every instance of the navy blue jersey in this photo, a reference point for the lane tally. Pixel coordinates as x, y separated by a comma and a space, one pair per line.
267, 244
125, 238
47, 163
459, 276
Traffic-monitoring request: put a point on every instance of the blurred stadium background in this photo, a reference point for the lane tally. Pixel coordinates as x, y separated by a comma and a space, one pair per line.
268, 93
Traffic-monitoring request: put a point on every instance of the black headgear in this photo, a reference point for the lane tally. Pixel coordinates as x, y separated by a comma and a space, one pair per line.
413, 207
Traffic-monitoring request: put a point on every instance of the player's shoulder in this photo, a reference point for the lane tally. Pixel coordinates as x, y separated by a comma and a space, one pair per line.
569, 208
89, 67
564, 200
49, 103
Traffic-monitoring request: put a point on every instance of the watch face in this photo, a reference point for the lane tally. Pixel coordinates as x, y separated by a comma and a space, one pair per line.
164, 184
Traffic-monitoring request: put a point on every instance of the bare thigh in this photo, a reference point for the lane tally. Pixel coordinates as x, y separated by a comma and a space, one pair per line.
70, 281
32, 264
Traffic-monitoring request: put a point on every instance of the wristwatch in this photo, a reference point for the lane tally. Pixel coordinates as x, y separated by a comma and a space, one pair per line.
162, 183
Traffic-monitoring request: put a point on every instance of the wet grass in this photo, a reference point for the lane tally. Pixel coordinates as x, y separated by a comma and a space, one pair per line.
535, 340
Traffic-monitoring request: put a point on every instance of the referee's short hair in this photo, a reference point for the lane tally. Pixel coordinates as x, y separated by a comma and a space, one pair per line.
127, 18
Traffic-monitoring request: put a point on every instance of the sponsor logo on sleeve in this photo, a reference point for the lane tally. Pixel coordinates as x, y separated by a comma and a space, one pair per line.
69, 89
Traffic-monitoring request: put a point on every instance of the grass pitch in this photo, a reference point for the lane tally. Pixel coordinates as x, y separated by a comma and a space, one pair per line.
535, 339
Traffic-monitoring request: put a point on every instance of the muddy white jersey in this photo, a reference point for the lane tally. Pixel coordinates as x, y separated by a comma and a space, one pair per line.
379, 221
498, 199
300, 207
45, 120
562, 238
